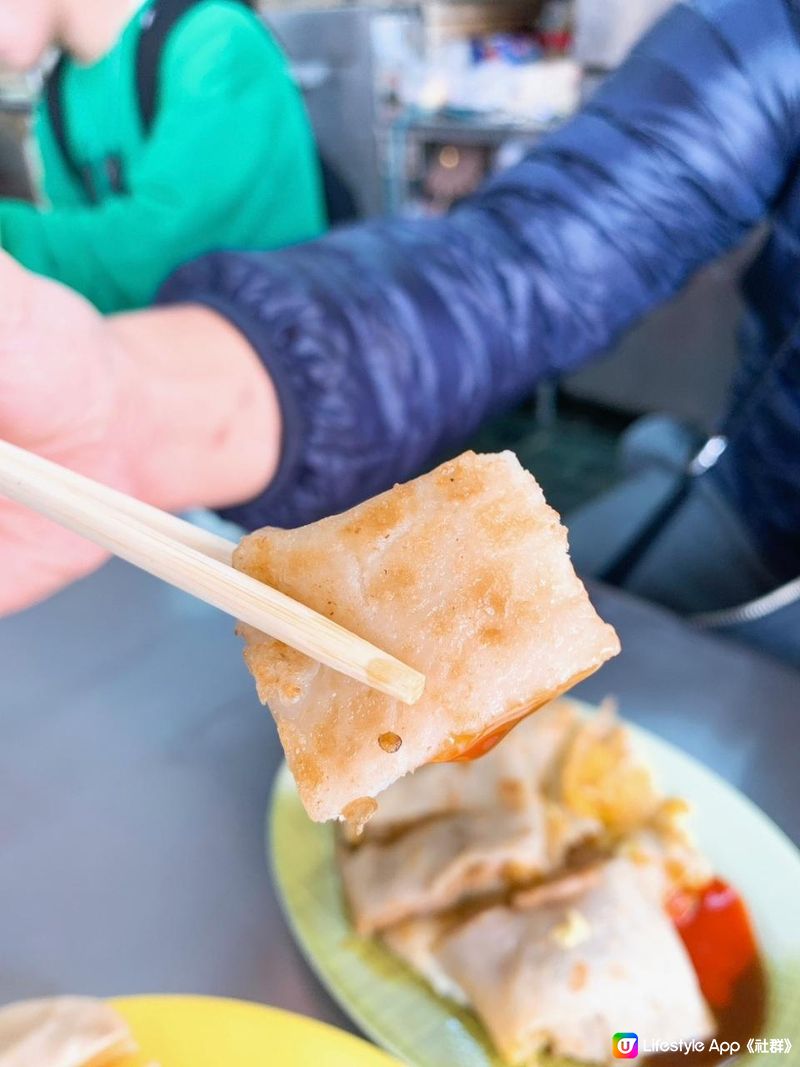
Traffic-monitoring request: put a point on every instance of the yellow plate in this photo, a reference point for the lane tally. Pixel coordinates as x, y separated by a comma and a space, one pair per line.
207, 1032
401, 1013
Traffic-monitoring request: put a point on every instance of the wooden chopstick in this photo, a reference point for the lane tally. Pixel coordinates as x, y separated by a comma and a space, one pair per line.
210, 544
198, 562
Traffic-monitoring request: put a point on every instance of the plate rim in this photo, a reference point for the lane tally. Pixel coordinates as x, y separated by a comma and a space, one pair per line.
283, 779
272, 1010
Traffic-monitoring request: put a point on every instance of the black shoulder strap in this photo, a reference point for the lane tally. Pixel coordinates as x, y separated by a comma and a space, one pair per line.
54, 98
159, 23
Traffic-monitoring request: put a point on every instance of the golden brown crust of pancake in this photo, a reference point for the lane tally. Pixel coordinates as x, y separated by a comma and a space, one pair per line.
462, 573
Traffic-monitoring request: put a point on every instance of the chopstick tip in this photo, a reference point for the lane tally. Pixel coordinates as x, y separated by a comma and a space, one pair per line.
396, 678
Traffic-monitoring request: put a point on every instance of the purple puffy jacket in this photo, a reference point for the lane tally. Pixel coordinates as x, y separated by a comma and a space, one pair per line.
390, 342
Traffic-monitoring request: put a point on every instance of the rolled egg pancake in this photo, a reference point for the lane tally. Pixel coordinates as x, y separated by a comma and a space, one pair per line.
559, 971
415, 942
464, 574
63, 1032
443, 862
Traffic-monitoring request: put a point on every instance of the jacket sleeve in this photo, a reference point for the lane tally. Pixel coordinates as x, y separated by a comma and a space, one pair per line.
225, 85
390, 343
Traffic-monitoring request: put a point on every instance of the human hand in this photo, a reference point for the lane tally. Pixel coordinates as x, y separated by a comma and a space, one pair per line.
62, 395
170, 405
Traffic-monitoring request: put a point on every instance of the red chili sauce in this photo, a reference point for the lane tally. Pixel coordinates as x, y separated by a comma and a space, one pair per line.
716, 930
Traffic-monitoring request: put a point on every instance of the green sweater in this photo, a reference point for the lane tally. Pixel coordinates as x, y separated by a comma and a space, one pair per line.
229, 163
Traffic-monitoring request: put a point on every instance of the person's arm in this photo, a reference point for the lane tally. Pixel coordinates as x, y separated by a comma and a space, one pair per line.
390, 343
229, 137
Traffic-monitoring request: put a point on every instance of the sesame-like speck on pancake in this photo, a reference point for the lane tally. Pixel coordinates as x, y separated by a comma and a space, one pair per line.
511, 775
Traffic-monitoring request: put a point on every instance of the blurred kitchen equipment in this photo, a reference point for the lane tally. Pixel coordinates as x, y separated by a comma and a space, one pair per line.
15, 182
330, 50
419, 145
445, 20
16, 95
606, 30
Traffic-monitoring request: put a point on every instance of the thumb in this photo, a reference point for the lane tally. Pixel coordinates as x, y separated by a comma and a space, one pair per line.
16, 288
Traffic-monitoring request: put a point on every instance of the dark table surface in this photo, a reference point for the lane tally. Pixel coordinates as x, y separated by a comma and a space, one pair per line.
135, 765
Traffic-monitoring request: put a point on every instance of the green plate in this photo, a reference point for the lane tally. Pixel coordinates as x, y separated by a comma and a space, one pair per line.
401, 1013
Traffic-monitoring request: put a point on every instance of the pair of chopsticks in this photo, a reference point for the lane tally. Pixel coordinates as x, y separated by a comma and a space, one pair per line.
196, 561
